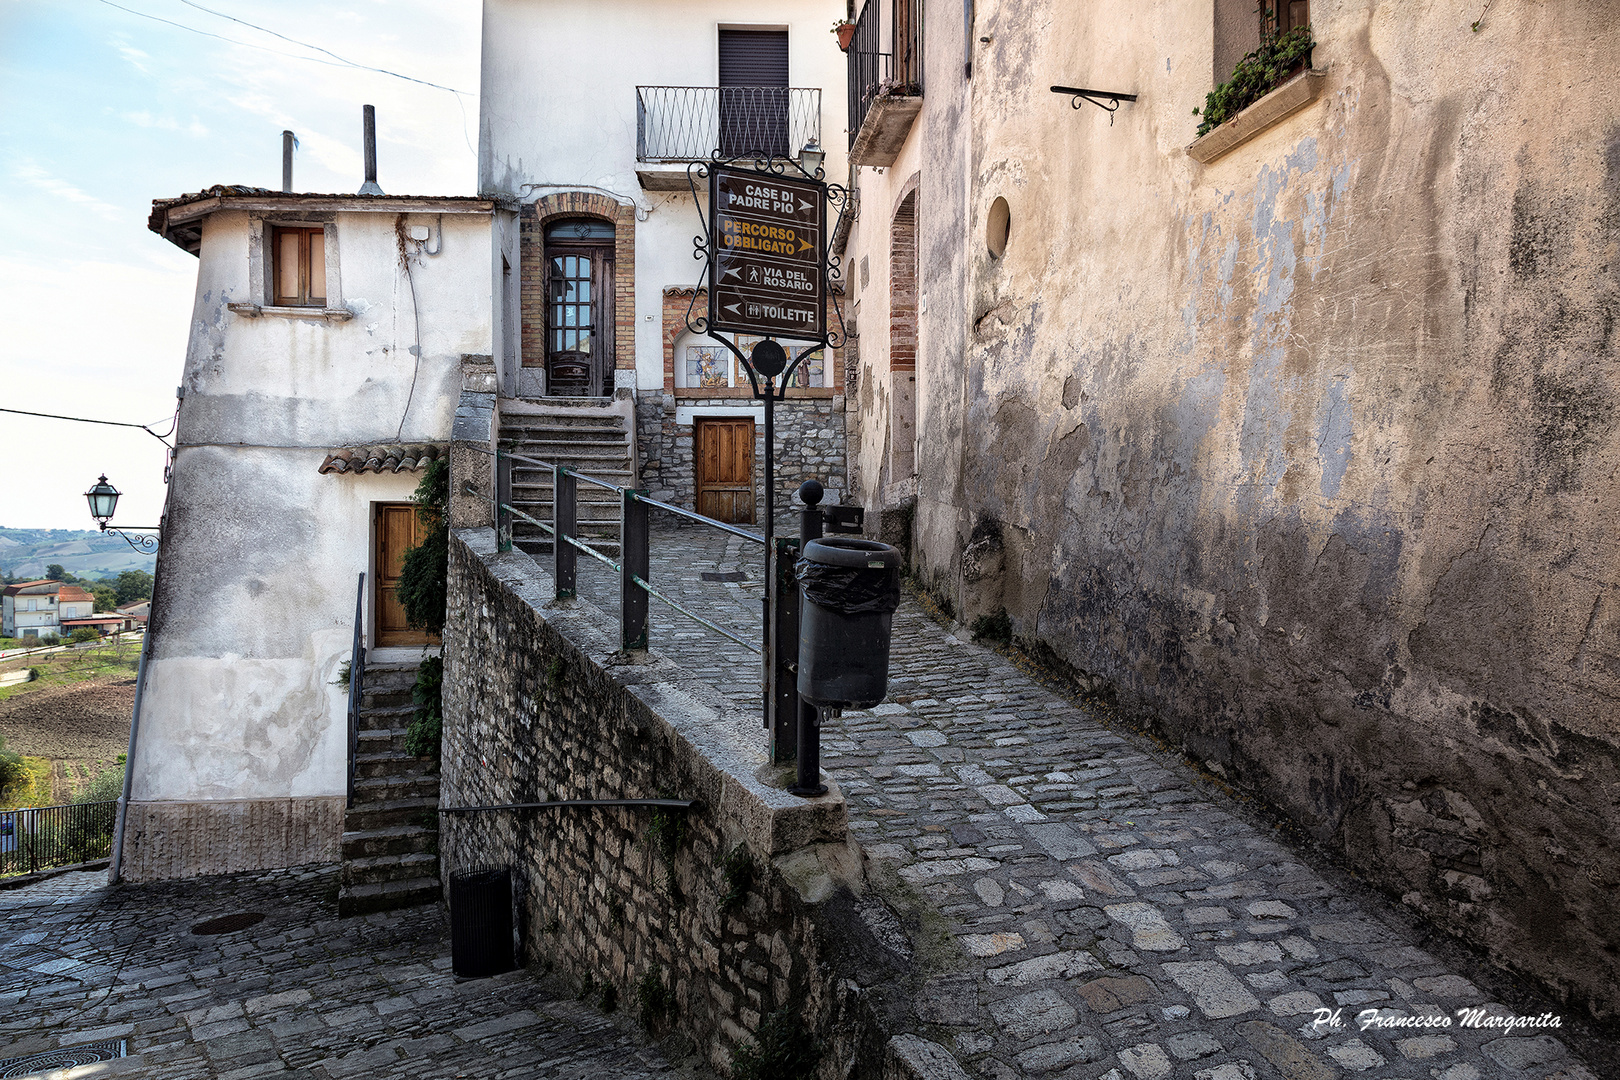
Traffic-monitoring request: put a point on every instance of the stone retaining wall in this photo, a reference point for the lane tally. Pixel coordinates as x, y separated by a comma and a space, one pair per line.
539, 705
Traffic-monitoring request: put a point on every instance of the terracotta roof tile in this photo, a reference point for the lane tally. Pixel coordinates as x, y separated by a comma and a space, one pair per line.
71, 594
13, 590
391, 457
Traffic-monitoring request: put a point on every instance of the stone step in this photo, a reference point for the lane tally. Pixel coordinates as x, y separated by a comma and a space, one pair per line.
382, 741
531, 546
380, 868
372, 766
581, 438
421, 811
387, 896
386, 717
388, 789
393, 840
385, 699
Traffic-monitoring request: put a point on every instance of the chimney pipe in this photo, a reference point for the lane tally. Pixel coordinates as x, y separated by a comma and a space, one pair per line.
288, 141
370, 186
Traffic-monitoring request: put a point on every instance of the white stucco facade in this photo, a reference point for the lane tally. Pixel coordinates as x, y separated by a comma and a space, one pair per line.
254, 604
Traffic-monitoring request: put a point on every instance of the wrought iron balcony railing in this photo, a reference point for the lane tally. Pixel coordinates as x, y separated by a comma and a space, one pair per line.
689, 123
871, 70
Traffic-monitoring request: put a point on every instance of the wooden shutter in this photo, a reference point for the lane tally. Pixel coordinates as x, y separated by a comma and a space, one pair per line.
754, 58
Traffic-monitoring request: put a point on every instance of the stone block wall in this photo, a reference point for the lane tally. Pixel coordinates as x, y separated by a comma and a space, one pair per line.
539, 706
809, 445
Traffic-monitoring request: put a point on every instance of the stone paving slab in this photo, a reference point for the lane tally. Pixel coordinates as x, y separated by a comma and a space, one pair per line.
1114, 916
301, 994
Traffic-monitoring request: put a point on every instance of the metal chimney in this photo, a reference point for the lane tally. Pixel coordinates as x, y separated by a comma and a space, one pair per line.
288, 141
370, 186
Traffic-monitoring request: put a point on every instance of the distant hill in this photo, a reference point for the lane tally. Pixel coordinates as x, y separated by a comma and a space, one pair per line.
85, 552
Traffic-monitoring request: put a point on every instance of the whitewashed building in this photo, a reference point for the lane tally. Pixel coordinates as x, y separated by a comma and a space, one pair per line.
325, 359
591, 112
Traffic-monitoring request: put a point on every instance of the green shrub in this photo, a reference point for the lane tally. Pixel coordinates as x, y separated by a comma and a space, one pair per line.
997, 627
106, 787
49, 639
655, 1001
1256, 75
12, 769
82, 634
783, 1049
422, 733
424, 579
739, 876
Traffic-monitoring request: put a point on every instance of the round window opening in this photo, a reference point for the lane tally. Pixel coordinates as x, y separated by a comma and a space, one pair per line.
998, 228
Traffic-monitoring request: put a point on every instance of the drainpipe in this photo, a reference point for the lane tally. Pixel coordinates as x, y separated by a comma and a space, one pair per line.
129, 758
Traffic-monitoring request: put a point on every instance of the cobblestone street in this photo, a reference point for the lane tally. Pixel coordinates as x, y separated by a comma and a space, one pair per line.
1116, 916
1110, 915
299, 994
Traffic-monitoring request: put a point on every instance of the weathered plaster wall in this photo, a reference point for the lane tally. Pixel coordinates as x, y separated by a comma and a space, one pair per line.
242, 718
1311, 452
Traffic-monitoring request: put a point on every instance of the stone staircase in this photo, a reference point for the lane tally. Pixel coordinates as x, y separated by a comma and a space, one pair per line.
391, 833
595, 436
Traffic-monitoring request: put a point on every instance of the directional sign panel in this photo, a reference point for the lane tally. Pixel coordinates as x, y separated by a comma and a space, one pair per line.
770, 244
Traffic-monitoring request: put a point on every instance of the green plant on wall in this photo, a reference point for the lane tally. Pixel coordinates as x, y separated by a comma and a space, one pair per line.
738, 871
424, 578
1255, 76
782, 1049
426, 723
655, 1001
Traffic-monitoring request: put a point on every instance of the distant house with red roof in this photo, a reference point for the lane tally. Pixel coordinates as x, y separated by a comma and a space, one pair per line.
42, 608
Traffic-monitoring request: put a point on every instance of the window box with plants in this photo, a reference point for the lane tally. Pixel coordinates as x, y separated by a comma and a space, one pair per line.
1274, 81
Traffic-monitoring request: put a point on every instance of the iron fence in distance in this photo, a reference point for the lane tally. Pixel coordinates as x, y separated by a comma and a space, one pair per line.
39, 838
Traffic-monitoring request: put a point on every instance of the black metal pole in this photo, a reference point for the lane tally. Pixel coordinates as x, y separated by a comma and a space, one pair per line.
807, 780
768, 680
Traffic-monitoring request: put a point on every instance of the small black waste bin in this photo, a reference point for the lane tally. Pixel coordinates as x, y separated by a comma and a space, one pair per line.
851, 588
481, 923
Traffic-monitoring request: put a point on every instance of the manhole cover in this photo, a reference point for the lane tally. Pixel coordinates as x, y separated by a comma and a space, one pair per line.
227, 924
69, 1057
734, 575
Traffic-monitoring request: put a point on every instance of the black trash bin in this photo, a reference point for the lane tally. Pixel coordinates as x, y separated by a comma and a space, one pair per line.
851, 588
481, 923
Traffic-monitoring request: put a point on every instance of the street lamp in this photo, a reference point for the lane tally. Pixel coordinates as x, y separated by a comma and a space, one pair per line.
811, 157
103, 500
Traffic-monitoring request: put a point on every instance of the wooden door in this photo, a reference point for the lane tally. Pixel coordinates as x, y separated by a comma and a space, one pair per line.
723, 453
398, 529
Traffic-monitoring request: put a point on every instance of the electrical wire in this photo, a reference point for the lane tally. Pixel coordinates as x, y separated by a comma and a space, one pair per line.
337, 62
87, 420
317, 48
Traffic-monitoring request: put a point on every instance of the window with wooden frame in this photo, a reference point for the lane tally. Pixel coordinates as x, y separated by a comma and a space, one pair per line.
1280, 16
299, 273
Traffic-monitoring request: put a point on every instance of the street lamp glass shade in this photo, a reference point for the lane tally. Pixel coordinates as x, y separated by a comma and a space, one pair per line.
811, 156
103, 499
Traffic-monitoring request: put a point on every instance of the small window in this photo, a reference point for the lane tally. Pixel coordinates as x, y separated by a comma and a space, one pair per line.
300, 266
1281, 16
998, 227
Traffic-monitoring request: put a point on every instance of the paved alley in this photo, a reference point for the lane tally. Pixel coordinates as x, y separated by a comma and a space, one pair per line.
1117, 918
88, 972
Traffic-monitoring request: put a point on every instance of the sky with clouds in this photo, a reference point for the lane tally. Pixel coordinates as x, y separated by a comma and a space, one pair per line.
106, 106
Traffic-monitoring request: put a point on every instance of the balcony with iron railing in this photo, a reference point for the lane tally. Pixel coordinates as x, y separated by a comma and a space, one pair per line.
680, 124
885, 87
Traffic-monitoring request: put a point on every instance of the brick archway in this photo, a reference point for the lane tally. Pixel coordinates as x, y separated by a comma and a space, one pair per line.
531, 237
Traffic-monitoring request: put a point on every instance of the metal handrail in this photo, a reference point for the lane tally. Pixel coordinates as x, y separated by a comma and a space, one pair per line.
357, 681
630, 495
634, 493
